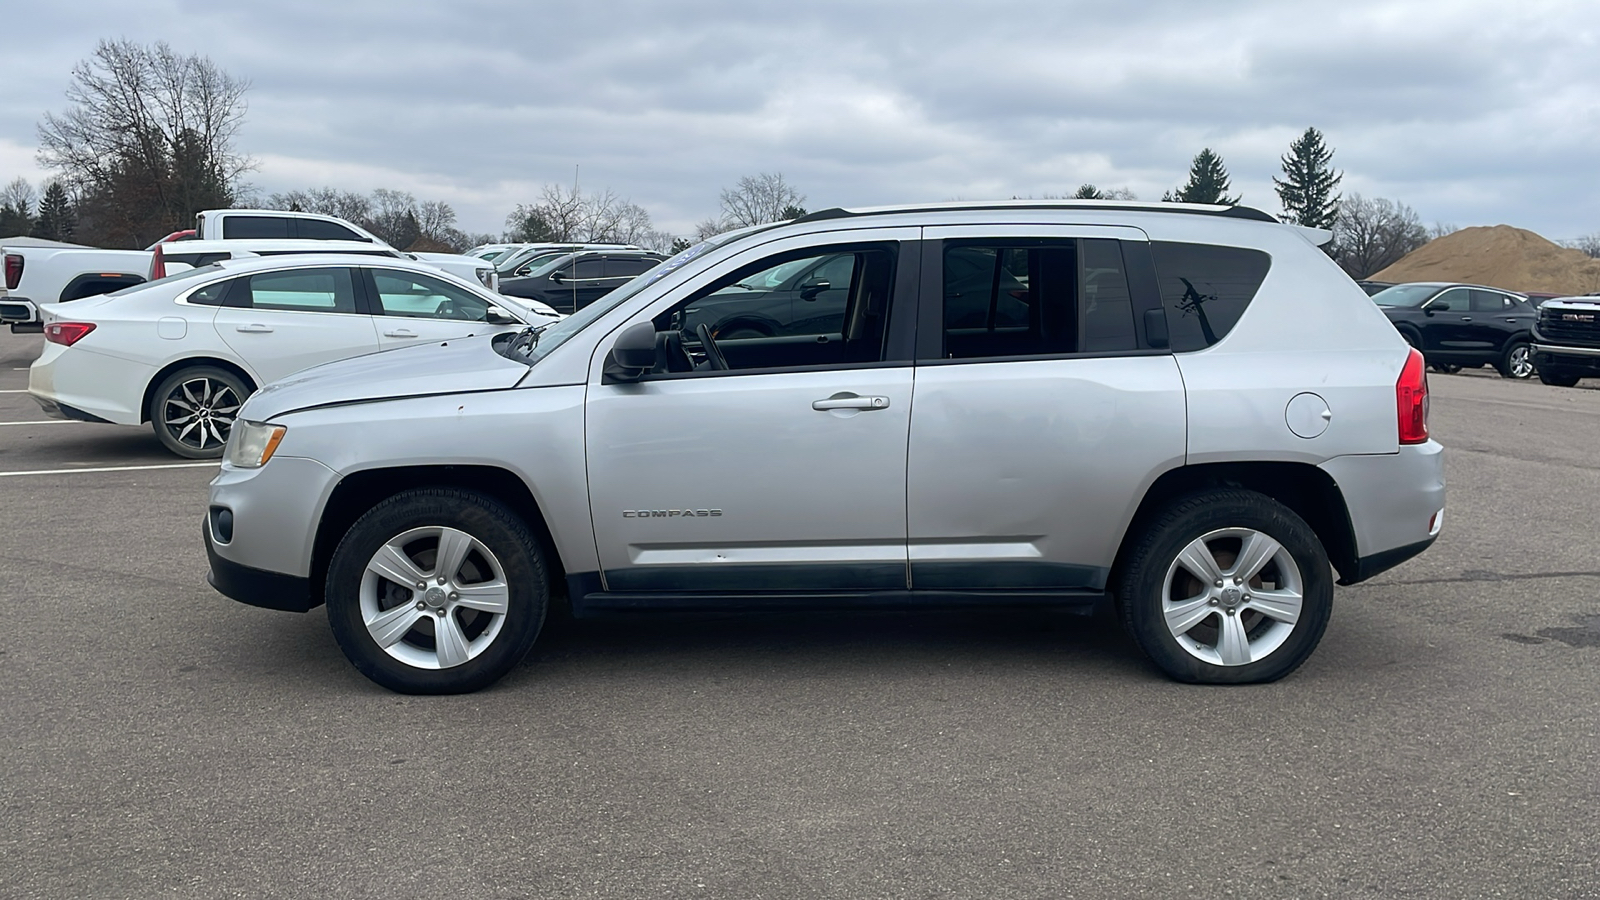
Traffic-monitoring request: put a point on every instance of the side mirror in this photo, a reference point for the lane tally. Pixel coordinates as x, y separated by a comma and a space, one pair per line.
810, 291
633, 354
1155, 328
557, 277
522, 271
1433, 306
494, 315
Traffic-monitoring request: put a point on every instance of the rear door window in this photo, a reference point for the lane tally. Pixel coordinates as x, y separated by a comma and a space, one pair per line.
318, 230
1035, 296
234, 227
1206, 289
299, 290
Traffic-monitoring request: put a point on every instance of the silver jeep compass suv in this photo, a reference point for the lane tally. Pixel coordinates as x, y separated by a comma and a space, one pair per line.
1187, 411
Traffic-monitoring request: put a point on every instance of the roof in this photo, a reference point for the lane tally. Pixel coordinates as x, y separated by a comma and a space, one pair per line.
1233, 212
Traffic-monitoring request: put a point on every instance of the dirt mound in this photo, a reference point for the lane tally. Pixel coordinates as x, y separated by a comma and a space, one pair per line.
1499, 256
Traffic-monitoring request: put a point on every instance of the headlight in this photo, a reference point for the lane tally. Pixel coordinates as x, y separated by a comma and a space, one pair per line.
253, 443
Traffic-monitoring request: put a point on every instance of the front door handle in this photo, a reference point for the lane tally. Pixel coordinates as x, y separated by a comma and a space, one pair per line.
254, 329
846, 400
1466, 318
400, 333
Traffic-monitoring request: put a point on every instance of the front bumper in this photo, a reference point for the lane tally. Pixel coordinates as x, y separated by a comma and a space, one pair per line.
257, 587
1551, 357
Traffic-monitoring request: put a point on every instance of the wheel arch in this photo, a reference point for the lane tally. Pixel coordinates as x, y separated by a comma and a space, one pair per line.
360, 491
1310, 492
93, 284
766, 326
190, 362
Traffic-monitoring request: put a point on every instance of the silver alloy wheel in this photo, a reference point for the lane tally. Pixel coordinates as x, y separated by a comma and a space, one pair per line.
1521, 363
199, 412
1232, 596
434, 597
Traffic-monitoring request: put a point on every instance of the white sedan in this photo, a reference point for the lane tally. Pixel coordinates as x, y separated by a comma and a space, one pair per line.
182, 352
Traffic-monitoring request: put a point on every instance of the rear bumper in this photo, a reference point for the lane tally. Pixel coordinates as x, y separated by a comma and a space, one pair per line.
17, 310
1396, 504
62, 411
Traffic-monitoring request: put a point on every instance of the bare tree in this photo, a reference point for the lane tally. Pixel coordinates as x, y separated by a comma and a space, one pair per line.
709, 228
568, 214
1589, 244
327, 201
759, 199
1371, 235
20, 196
147, 137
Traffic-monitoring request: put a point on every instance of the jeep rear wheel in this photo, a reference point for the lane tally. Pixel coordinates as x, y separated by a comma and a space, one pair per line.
1227, 587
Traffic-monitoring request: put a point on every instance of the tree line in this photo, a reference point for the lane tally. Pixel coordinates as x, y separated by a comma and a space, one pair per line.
148, 139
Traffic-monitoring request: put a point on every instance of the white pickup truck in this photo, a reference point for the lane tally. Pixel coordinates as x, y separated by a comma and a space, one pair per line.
35, 275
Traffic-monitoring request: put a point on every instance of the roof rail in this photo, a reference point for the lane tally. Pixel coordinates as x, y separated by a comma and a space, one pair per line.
1232, 212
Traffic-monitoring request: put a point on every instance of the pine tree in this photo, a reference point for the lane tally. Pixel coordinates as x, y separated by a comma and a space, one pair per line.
57, 219
1208, 182
1088, 192
1306, 189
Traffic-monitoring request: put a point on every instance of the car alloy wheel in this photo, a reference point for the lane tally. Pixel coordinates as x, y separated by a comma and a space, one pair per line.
1519, 361
1226, 586
434, 597
438, 590
193, 410
1232, 597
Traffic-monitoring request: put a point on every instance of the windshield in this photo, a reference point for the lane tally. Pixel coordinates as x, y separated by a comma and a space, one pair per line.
557, 334
211, 269
512, 261
1411, 295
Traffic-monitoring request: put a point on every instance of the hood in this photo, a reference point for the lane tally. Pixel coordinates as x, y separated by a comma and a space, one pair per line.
459, 365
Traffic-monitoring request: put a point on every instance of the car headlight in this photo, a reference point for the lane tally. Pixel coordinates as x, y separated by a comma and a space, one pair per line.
253, 443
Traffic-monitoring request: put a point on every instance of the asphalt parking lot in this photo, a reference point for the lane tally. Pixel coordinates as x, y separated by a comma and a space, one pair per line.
162, 741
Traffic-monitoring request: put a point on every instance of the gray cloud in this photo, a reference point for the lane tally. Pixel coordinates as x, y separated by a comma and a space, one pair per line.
1468, 111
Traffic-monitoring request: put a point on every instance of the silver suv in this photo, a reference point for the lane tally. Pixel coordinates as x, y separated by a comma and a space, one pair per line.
1188, 412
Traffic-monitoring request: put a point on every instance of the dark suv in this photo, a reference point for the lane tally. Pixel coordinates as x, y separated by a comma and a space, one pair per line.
572, 281
1567, 340
1457, 325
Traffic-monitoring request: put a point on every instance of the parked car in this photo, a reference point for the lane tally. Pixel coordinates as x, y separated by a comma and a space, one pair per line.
1567, 340
1373, 287
493, 252
182, 352
1463, 325
1537, 299
571, 281
279, 224
530, 256
1198, 420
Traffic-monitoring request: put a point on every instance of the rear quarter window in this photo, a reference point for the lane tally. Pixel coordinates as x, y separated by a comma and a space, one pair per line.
1206, 289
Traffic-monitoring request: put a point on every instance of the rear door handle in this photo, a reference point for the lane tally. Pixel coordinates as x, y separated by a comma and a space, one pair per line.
254, 329
850, 401
400, 333
1466, 318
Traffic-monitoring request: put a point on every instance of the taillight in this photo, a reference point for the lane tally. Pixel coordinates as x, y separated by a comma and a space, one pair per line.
13, 270
1411, 400
158, 264
67, 333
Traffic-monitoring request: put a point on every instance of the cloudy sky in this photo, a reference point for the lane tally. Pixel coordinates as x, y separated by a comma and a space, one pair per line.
1473, 113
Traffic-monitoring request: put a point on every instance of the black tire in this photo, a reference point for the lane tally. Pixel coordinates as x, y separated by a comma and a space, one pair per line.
1517, 361
186, 430
487, 522
1558, 378
1445, 368
1154, 558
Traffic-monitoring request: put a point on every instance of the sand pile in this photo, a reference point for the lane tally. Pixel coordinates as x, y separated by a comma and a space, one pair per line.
1499, 256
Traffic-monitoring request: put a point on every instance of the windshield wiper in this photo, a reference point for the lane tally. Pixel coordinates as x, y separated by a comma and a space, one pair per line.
528, 338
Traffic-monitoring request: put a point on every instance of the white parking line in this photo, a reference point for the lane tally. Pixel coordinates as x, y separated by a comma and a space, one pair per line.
17, 391
47, 422
192, 465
